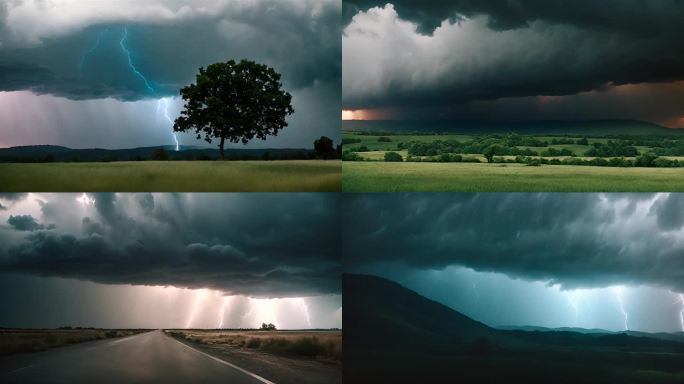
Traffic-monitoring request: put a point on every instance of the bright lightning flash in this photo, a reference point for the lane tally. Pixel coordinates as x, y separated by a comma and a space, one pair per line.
618, 295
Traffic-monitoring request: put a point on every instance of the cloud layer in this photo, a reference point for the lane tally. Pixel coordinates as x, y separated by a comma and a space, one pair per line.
81, 50
258, 245
440, 54
575, 240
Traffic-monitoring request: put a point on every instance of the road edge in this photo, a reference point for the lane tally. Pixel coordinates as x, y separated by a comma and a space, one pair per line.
253, 375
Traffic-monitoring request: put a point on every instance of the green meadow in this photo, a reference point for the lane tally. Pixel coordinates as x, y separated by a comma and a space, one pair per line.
375, 176
173, 176
511, 162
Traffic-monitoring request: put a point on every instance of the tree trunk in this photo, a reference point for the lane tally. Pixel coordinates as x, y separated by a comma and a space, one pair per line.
223, 139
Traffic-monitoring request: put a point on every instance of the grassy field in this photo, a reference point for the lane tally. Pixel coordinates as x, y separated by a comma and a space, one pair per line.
33, 340
481, 177
312, 344
173, 176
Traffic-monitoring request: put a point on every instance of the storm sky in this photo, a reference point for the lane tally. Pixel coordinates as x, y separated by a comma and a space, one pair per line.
108, 73
170, 260
521, 60
608, 261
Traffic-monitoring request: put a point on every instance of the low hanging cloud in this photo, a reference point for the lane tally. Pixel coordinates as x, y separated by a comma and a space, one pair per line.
26, 223
617, 15
439, 54
575, 240
258, 245
128, 51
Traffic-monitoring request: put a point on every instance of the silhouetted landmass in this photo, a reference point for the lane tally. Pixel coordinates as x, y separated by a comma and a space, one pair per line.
53, 153
586, 127
394, 335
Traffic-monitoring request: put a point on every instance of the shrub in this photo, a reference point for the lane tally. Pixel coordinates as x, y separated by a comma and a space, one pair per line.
348, 155
384, 139
444, 158
393, 157
533, 162
350, 140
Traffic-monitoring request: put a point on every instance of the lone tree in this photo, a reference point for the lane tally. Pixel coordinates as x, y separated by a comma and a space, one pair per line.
324, 147
490, 151
268, 327
235, 102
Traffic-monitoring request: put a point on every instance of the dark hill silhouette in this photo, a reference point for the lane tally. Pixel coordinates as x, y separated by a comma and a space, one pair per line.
50, 153
394, 335
550, 127
398, 314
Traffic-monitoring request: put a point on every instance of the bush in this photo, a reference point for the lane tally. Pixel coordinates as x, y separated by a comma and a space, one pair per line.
393, 157
348, 155
533, 162
384, 139
349, 140
645, 160
361, 148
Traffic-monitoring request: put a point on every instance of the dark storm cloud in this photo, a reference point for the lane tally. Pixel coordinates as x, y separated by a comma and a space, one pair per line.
576, 240
621, 15
261, 245
498, 49
81, 56
26, 223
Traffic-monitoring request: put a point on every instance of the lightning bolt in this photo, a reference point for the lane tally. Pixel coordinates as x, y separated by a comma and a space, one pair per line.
306, 311
135, 70
222, 313
199, 297
618, 295
165, 101
89, 52
681, 313
148, 84
573, 301
476, 291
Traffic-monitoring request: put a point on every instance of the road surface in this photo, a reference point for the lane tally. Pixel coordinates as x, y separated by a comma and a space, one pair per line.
150, 357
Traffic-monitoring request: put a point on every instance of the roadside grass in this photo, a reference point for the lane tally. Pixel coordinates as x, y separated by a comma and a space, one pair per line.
14, 341
173, 176
482, 177
323, 345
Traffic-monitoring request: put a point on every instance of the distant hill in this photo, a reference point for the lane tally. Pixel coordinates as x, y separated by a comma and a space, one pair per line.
394, 335
531, 328
588, 127
43, 153
378, 308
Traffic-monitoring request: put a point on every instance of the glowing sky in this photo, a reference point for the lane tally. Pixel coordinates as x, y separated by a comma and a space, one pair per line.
466, 60
170, 260
610, 261
108, 73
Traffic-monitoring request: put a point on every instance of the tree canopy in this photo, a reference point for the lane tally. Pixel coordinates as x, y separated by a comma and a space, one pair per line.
235, 102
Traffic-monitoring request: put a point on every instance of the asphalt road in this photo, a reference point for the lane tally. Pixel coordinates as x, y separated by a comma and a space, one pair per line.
150, 357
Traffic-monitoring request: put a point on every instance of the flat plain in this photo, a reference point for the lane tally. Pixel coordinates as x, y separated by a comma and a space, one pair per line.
173, 176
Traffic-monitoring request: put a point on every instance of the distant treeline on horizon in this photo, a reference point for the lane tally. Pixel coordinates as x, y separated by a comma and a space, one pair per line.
51, 153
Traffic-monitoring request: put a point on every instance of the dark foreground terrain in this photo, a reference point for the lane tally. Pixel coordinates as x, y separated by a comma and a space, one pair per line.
150, 357
394, 335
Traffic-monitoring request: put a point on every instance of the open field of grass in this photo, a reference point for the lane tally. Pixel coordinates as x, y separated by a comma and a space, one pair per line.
481, 177
325, 345
33, 340
173, 176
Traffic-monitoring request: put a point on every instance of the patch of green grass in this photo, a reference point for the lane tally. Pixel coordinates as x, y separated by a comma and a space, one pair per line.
473, 177
173, 176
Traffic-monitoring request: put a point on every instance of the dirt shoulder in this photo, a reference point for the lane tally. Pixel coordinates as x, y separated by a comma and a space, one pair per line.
238, 347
